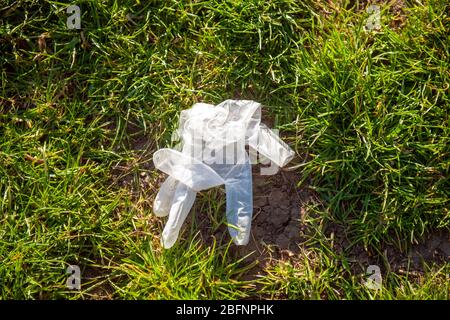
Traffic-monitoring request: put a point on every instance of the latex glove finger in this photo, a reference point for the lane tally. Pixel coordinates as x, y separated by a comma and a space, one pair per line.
271, 146
182, 202
238, 187
163, 200
186, 169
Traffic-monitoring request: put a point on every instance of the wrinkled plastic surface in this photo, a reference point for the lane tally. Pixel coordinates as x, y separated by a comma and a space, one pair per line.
212, 154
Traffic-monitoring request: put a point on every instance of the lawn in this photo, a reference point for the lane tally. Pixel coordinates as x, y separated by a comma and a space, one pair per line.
366, 111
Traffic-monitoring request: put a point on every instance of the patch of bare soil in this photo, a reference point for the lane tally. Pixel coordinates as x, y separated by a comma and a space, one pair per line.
434, 249
102, 290
279, 208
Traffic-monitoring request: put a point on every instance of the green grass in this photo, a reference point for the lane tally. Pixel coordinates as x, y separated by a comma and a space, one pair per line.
82, 112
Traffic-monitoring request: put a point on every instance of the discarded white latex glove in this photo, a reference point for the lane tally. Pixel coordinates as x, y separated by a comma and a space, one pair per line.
213, 153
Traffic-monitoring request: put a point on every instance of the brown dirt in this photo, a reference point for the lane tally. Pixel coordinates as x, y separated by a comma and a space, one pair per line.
279, 209
434, 249
102, 291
